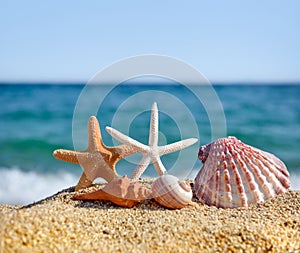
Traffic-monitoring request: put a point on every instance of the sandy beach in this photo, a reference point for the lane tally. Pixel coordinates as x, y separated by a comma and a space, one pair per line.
60, 224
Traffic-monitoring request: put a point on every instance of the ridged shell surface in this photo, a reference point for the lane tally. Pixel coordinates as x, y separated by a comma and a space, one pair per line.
124, 188
121, 191
235, 174
170, 192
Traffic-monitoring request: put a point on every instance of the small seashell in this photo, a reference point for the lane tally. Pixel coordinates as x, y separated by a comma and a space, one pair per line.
235, 174
169, 192
121, 191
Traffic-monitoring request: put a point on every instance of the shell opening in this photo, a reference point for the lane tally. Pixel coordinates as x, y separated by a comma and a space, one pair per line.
184, 186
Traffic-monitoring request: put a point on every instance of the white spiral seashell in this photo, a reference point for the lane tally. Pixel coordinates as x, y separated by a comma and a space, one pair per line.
235, 174
170, 192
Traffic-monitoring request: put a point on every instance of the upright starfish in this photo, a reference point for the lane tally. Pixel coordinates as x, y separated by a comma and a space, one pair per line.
152, 152
97, 160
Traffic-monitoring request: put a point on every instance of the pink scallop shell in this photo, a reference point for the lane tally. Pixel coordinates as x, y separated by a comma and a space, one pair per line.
235, 174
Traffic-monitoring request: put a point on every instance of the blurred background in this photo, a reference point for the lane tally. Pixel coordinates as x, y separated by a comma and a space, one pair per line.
249, 51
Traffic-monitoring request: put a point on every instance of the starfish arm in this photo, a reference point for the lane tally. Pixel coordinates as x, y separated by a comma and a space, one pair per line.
139, 170
123, 150
176, 146
153, 133
127, 140
66, 155
159, 167
83, 182
94, 134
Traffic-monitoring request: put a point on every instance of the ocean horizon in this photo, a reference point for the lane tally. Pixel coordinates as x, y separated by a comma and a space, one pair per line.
38, 118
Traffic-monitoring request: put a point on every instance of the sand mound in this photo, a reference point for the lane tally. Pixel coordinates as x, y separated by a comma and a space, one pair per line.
60, 224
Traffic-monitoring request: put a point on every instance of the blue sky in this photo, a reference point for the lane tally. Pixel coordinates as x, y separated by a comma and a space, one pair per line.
69, 41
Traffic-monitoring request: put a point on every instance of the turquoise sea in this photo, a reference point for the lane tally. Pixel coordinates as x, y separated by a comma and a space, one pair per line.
37, 119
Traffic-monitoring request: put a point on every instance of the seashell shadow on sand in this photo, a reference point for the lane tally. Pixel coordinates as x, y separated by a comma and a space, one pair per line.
60, 224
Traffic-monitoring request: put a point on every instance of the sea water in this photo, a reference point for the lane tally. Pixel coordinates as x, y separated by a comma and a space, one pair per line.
37, 119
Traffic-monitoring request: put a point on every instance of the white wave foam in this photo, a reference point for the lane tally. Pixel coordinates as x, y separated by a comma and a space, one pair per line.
295, 181
20, 188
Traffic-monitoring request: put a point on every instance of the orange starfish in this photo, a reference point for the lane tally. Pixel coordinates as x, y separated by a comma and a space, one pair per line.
98, 160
